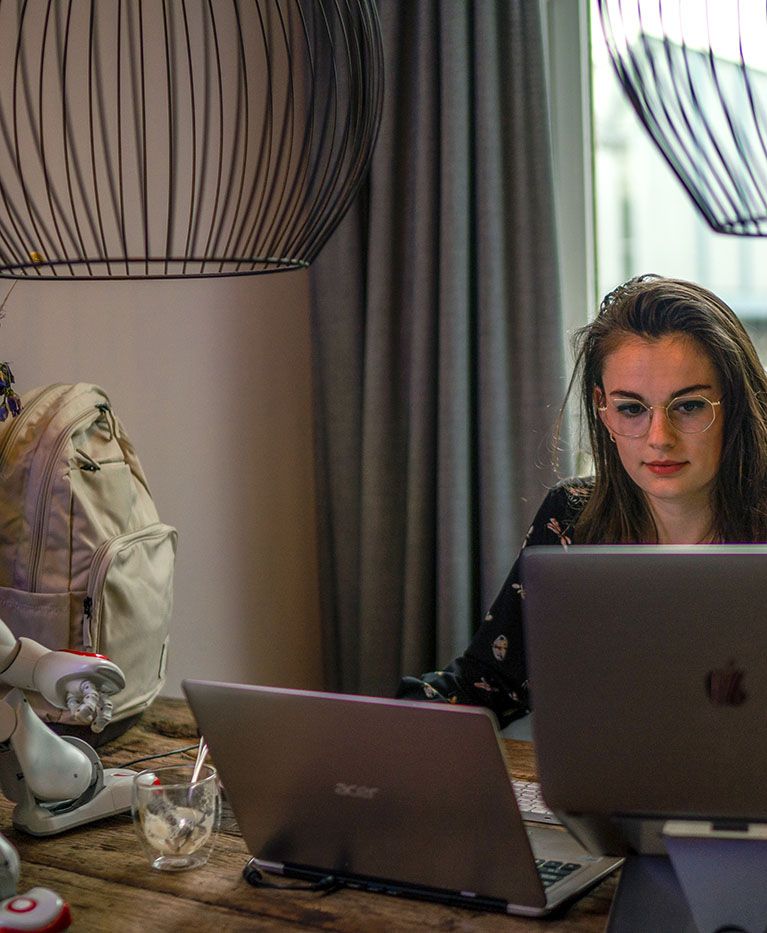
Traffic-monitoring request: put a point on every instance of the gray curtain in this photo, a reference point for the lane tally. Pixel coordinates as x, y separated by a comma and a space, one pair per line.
437, 341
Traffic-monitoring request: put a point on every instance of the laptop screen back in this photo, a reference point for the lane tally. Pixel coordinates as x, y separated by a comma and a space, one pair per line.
648, 668
387, 789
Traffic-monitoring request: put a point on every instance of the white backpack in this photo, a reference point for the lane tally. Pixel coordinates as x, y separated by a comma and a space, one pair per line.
85, 562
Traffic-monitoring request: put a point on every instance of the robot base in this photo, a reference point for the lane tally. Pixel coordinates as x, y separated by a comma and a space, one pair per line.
113, 797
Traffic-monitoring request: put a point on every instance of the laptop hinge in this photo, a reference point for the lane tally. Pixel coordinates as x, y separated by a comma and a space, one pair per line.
276, 868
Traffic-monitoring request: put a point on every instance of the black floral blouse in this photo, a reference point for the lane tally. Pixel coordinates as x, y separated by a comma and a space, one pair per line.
492, 671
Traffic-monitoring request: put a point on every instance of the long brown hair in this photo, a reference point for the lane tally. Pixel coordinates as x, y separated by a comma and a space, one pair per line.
652, 307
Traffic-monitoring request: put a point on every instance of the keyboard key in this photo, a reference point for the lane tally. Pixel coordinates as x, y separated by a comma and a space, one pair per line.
552, 871
532, 806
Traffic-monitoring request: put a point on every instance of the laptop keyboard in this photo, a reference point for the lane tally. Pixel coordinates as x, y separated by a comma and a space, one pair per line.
532, 806
552, 871
534, 809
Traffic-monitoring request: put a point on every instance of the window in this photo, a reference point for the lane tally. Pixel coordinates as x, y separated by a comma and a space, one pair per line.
644, 221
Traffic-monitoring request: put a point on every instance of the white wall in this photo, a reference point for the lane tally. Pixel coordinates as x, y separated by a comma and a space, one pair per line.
212, 381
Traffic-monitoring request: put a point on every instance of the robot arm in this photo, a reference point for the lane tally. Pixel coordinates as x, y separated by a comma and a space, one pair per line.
80, 682
51, 768
36, 765
56, 782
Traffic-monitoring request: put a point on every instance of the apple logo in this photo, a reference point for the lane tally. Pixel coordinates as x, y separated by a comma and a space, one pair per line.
724, 685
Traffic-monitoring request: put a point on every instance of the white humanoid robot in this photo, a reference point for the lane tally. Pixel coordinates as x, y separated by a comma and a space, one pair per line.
56, 781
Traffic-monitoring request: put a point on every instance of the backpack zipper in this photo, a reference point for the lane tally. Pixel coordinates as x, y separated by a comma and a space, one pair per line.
100, 564
19, 422
41, 511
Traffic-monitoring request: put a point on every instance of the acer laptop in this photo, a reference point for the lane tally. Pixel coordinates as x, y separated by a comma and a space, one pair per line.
391, 796
648, 667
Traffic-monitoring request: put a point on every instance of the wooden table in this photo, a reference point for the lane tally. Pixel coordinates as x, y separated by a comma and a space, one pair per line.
100, 870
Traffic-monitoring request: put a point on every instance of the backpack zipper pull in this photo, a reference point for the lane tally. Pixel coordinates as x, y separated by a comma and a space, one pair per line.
90, 464
109, 418
87, 616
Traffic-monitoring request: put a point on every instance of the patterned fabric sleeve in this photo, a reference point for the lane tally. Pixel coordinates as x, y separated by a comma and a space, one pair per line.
492, 671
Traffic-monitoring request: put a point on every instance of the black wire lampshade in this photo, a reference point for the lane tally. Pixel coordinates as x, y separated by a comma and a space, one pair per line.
695, 72
164, 138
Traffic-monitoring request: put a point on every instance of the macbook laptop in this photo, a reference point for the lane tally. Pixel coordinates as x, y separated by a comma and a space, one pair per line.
648, 668
387, 795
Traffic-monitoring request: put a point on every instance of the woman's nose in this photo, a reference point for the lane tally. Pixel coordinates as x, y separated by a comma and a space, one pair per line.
661, 432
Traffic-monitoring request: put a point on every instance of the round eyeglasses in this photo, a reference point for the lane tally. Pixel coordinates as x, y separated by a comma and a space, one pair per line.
690, 414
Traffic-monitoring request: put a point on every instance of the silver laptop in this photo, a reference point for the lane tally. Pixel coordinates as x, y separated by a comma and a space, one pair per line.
648, 668
387, 795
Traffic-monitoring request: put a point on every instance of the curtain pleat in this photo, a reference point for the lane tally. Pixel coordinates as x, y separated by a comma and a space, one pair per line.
437, 344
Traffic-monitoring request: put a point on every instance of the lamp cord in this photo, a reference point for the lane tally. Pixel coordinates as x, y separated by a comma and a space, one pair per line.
170, 754
7, 296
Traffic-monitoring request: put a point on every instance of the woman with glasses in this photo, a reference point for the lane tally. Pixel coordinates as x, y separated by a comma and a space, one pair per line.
675, 402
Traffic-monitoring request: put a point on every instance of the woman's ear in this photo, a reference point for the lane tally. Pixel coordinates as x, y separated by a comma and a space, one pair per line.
599, 403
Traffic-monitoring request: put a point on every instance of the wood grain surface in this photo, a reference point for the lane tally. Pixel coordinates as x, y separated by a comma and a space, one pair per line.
101, 871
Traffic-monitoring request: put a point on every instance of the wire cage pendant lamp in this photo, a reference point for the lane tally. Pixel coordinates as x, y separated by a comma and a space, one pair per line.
695, 72
169, 138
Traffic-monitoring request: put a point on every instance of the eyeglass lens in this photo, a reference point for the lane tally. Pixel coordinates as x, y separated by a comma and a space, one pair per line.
689, 414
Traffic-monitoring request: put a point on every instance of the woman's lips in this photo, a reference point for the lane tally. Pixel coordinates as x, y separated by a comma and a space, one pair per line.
665, 467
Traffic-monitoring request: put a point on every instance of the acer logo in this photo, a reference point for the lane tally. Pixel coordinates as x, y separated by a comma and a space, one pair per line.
355, 790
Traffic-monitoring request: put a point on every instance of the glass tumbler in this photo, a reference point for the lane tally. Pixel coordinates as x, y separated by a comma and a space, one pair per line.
176, 819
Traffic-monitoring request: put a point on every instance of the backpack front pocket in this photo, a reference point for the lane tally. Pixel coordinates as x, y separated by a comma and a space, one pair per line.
128, 607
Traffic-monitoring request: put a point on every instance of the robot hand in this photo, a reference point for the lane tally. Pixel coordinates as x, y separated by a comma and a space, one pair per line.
75, 680
90, 705
85, 682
